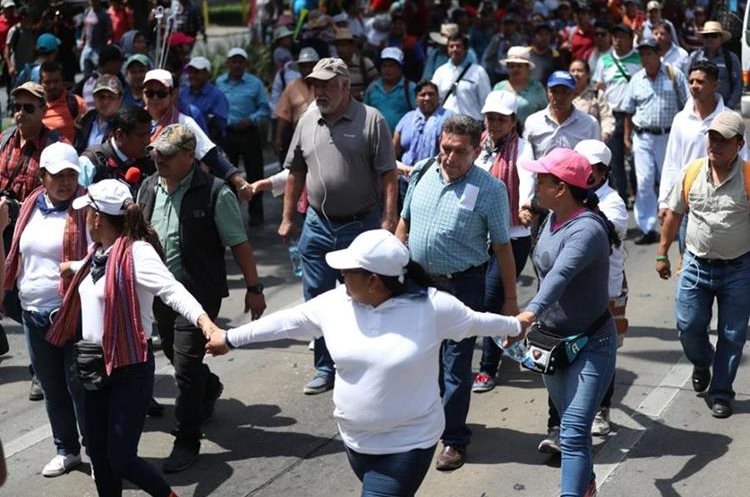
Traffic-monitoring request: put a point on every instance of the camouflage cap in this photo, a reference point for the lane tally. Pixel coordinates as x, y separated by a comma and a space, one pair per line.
109, 83
34, 89
329, 68
174, 138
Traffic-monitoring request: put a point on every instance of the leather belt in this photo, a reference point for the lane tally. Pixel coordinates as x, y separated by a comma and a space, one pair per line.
343, 219
437, 276
718, 262
652, 131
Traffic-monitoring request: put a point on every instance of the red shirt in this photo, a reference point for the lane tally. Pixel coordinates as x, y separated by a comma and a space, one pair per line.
5, 25
582, 43
122, 22
19, 166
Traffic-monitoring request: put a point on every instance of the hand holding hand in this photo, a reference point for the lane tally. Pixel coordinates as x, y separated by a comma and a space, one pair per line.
217, 343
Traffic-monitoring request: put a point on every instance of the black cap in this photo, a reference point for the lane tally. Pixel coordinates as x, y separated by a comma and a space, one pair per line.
543, 25
622, 27
109, 53
649, 43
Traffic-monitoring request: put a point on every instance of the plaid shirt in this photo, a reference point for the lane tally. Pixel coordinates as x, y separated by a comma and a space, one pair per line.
653, 103
19, 166
450, 224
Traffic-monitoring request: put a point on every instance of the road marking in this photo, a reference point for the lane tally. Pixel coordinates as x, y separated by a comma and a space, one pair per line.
27, 440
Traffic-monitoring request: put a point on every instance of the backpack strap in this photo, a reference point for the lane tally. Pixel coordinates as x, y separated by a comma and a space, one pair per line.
70, 99
673, 78
694, 168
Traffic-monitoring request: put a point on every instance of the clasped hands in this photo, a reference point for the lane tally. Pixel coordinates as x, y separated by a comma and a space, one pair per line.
526, 318
216, 337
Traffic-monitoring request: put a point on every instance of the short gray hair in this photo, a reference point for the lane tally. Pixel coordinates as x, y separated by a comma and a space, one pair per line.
464, 125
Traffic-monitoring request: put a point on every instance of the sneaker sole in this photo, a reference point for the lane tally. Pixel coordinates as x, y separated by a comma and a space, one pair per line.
315, 391
172, 469
548, 448
482, 389
64, 471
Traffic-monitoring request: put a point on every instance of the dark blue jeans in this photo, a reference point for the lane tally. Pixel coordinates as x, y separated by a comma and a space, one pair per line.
456, 357
114, 423
494, 296
391, 475
319, 236
699, 284
55, 368
618, 176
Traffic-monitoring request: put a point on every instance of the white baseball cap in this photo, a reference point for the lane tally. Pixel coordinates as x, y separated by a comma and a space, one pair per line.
377, 251
59, 156
307, 54
235, 52
200, 63
393, 53
110, 196
160, 76
502, 102
595, 151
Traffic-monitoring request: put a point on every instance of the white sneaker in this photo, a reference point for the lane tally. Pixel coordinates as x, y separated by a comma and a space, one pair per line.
59, 465
601, 426
551, 443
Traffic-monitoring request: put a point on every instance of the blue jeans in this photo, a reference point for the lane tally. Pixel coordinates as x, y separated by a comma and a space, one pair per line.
699, 284
114, 422
577, 390
456, 357
391, 475
494, 296
319, 236
56, 370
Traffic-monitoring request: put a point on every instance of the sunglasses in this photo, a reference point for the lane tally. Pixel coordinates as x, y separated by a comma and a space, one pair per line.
158, 94
27, 108
711, 35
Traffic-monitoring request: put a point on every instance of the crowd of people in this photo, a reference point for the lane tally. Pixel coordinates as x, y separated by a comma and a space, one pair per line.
428, 151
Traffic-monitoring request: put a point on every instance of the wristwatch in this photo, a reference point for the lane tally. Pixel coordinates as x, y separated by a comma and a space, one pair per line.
257, 288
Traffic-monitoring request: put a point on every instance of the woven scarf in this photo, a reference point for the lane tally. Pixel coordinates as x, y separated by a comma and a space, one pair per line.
74, 239
505, 168
172, 116
425, 136
124, 340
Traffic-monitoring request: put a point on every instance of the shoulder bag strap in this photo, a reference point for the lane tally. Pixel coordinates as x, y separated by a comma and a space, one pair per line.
455, 83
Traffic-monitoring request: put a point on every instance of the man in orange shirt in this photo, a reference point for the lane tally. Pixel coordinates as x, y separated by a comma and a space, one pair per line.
64, 109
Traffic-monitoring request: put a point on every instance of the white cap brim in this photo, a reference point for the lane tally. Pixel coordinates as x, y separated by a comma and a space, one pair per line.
60, 166
82, 202
342, 259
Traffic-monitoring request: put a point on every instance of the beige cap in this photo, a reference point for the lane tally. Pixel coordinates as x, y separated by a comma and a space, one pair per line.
653, 5
329, 68
715, 27
35, 89
344, 34
518, 55
728, 124
174, 138
446, 31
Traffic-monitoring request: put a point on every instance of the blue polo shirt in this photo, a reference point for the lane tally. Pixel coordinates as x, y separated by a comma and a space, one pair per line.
247, 98
210, 101
451, 222
393, 103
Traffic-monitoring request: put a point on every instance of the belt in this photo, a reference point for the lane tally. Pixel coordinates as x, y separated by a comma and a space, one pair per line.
619, 113
343, 219
448, 276
719, 262
652, 131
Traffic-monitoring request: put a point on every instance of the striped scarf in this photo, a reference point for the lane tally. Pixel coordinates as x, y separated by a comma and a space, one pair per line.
74, 239
124, 340
504, 168
172, 116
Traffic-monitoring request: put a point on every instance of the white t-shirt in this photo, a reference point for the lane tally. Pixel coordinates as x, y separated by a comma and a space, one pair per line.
41, 252
153, 279
612, 205
203, 143
386, 393
470, 93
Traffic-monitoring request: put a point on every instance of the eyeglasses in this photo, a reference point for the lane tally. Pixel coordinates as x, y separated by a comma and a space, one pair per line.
27, 108
711, 35
158, 94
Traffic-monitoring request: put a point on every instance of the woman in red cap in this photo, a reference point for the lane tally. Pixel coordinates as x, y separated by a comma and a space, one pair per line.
571, 258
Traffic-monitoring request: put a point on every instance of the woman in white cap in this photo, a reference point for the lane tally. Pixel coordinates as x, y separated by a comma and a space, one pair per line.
502, 149
530, 93
571, 258
590, 100
384, 328
110, 296
49, 231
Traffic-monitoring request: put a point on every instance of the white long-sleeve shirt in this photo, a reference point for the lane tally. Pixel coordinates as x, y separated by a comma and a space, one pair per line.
612, 205
526, 180
386, 391
687, 141
471, 91
153, 279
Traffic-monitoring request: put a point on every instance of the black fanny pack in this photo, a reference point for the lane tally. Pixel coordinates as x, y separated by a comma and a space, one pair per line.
549, 351
90, 365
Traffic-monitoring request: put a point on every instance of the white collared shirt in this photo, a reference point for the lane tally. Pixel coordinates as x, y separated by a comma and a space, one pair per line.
470, 93
676, 55
687, 142
386, 393
544, 134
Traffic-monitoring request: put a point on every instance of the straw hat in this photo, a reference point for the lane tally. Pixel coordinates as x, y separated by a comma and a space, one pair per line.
518, 55
715, 27
446, 31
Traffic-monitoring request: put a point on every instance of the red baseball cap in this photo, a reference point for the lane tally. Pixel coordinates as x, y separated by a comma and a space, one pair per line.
565, 164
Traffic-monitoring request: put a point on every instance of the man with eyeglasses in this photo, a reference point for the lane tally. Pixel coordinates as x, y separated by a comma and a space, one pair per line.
714, 50
160, 98
602, 43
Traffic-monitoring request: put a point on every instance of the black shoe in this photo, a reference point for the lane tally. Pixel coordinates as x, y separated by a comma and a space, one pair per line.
4, 346
155, 409
721, 409
35, 391
210, 406
183, 455
701, 379
647, 238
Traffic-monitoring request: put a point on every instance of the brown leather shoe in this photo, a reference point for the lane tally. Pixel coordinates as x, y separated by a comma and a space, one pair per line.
451, 457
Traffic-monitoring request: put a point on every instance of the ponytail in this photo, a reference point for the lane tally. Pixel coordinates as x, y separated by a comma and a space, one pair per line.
590, 201
133, 225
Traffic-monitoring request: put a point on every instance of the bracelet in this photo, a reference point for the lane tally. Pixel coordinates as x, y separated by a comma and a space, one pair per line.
662, 258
